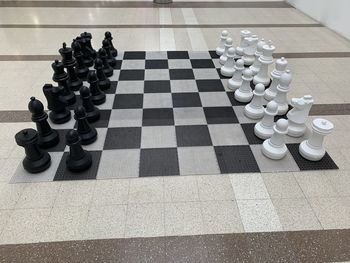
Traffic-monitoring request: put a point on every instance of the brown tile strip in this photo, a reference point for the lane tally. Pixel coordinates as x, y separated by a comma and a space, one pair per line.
300, 246
145, 4
15, 116
28, 57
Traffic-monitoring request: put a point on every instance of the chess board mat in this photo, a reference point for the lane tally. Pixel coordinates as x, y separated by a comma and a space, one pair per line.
170, 113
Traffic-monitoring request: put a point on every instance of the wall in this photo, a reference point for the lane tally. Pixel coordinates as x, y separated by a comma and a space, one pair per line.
334, 14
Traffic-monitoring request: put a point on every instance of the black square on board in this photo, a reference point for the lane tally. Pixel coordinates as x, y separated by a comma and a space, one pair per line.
158, 117
128, 101
236, 159
63, 173
159, 162
324, 164
157, 64
134, 55
206, 85
193, 135
234, 102
118, 65
112, 89
178, 55
157, 86
219, 115
202, 63
221, 76
190, 99
248, 129
123, 138
132, 74
181, 74
213, 54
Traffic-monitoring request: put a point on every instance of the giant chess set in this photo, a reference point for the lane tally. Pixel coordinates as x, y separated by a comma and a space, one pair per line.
143, 113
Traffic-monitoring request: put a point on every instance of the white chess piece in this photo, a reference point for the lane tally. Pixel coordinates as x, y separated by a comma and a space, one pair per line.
280, 68
249, 51
264, 128
242, 44
282, 90
258, 53
236, 81
221, 48
312, 149
275, 147
297, 116
228, 69
228, 44
255, 109
266, 59
244, 93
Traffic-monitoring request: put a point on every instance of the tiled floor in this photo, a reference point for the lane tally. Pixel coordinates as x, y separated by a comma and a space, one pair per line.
171, 206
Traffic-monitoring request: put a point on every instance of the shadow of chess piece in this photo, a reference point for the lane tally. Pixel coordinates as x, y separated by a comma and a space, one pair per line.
36, 159
61, 77
107, 69
108, 36
103, 82
81, 69
59, 112
97, 96
92, 112
87, 133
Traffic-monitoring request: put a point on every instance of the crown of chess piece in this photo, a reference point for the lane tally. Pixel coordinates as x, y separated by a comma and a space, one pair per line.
110, 59
103, 82
59, 112
312, 149
221, 48
236, 81
69, 62
228, 68
249, 51
280, 68
107, 69
227, 45
282, 91
87, 133
87, 57
297, 116
97, 96
259, 51
244, 92
264, 128
108, 36
92, 112
265, 60
275, 147
61, 78
36, 160
78, 159
88, 37
255, 109
47, 137
81, 69
239, 50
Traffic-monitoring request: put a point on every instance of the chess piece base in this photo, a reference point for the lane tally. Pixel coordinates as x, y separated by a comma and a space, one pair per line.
75, 85
296, 130
219, 51
243, 97
108, 72
82, 72
273, 152
310, 153
60, 118
269, 95
38, 165
227, 72
99, 99
233, 85
262, 132
49, 141
104, 84
88, 138
253, 113
81, 164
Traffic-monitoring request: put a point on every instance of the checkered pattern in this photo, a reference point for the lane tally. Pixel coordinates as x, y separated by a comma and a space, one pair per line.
169, 113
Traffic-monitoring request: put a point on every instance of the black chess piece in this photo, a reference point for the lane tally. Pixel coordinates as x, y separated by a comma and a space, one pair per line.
36, 160
108, 36
59, 112
107, 69
97, 96
110, 59
69, 62
47, 137
88, 60
92, 112
89, 47
103, 82
61, 77
87, 133
78, 159
81, 69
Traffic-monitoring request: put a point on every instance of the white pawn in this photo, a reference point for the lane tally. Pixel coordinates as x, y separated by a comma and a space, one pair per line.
264, 128
221, 48
244, 93
228, 69
312, 149
255, 109
228, 44
297, 116
266, 59
259, 51
280, 68
242, 44
282, 90
275, 147
236, 81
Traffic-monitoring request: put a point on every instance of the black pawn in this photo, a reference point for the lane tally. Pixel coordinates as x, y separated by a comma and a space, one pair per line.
88, 60
92, 112
107, 69
36, 160
87, 133
81, 69
59, 112
97, 96
61, 77
89, 47
47, 137
78, 160
69, 62
110, 59
103, 82
108, 36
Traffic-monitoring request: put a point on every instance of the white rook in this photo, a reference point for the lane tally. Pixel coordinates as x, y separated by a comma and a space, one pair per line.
280, 68
275, 147
236, 81
221, 48
228, 44
258, 53
255, 109
266, 59
312, 149
264, 128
